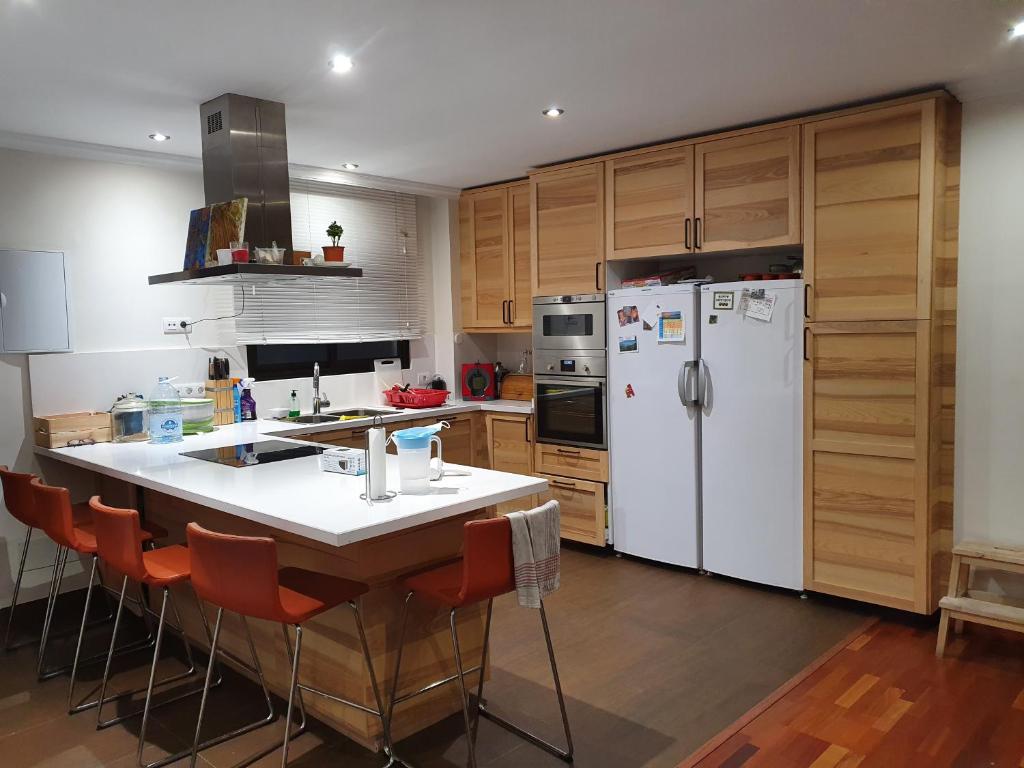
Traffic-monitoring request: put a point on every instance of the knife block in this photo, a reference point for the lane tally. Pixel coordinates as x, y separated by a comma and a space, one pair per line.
220, 391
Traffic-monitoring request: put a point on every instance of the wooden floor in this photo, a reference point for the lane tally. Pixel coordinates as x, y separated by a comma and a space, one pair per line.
885, 700
654, 662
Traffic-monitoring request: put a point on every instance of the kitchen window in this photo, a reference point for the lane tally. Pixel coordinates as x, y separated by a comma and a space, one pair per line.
269, 362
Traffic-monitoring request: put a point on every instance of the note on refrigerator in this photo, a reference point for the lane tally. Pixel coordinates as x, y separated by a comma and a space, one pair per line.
761, 308
671, 327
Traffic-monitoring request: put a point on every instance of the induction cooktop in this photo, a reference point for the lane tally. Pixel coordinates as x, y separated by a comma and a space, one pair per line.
251, 454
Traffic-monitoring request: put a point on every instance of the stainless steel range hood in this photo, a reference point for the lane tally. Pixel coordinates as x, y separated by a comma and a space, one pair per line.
245, 154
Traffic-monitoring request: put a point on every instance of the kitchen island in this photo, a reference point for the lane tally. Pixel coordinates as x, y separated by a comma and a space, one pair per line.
320, 523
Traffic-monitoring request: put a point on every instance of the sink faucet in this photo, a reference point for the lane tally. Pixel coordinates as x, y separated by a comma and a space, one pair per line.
319, 401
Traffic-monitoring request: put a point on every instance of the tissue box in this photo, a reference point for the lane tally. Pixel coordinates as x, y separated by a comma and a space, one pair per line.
345, 461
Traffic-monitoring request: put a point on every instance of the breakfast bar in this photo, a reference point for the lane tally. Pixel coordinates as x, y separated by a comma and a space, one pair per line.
320, 523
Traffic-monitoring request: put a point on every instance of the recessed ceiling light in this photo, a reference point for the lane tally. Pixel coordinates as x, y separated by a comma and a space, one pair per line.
350, 166
1017, 30
159, 137
341, 63
553, 112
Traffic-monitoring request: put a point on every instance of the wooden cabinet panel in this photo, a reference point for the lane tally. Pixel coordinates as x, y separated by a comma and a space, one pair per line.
582, 508
458, 439
510, 449
582, 463
866, 257
520, 285
484, 257
748, 191
567, 230
649, 204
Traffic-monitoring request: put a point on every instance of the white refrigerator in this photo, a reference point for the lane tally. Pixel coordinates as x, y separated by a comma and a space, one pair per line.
705, 427
654, 423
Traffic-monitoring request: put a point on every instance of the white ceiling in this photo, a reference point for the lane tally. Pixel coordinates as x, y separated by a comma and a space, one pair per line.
449, 92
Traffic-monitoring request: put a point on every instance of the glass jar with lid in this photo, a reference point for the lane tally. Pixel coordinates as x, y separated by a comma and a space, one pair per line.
129, 417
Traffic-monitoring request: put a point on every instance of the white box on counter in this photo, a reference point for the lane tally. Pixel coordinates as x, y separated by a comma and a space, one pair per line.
345, 461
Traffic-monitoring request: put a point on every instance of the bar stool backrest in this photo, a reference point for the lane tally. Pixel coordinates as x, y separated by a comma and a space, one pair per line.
487, 566
118, 533
18, 496
53, 508
238, 573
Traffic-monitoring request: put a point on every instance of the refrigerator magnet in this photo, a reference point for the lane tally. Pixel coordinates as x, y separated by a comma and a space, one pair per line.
723, 300
629, 391
628, 344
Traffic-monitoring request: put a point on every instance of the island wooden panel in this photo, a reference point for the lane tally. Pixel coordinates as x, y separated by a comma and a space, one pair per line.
864, 210
748, 190
567, 230
649, 204
331, 655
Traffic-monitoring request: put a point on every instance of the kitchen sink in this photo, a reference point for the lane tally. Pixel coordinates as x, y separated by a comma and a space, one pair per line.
314, 418
358, 413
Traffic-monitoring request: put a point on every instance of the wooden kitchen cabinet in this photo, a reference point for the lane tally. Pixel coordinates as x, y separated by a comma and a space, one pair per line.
567, 230
510, 449
582, 508
747, 191
649, 200
581, 463
494, 247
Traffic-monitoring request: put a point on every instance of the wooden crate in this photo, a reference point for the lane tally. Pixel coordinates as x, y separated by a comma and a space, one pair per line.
59, 430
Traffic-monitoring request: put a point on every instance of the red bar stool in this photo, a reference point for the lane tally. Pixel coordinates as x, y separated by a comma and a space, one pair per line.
20, 503
56, 515
119, 540
485, 572
240, 574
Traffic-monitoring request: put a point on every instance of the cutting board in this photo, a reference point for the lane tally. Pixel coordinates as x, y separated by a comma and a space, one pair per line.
517, 386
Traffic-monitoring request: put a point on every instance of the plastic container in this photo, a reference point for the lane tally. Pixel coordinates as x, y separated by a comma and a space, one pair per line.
414, 448
416, 398
247, 402
165, 413
197, 415
130, 419
293, 404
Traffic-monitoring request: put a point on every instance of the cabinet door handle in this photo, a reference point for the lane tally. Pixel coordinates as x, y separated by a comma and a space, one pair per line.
526, 425
806, 331
807, 301
568, 452
511, 311
597, 276
504, 312
696, 234
686, 233
569, 486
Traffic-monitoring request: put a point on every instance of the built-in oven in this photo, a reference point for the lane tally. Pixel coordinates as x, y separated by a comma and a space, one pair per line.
573, 324
570, 399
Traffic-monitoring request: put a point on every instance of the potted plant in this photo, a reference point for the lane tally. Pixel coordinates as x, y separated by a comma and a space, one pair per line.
334, 252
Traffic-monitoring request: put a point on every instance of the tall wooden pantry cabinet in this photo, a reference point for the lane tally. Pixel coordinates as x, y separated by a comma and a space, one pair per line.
880, 214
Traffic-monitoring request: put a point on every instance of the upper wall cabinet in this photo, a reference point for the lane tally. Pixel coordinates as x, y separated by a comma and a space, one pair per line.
869, 213
33, 302
567, 239
649, 199
494, 246
747, 191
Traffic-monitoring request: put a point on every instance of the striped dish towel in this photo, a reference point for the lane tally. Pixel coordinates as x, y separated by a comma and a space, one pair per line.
536, 542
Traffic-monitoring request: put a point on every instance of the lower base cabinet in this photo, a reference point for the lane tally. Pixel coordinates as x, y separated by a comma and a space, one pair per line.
510, 449
583, 508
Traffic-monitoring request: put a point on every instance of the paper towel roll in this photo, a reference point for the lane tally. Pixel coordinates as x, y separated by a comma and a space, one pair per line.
378, 462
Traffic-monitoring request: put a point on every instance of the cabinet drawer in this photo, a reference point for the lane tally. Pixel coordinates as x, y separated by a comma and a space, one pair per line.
567, 461
582, 508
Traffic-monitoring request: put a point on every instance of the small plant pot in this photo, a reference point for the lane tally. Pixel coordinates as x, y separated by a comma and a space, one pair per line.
334, 253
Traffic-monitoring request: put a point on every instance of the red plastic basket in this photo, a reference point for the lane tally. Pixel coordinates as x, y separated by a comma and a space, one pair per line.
417, 398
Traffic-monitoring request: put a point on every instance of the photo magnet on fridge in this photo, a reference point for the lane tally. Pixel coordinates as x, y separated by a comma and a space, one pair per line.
628, 344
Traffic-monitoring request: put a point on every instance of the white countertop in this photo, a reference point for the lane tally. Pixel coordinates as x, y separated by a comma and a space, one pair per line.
294, 495
285, 429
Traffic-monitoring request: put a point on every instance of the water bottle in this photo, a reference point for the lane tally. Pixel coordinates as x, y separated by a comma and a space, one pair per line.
165, 413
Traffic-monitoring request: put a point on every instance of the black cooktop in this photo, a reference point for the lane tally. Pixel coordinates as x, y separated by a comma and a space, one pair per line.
251, 454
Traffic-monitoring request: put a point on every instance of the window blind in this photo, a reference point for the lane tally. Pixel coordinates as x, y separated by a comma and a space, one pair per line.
387, 302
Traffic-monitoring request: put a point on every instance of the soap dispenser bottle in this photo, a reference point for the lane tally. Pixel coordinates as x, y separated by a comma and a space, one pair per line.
293, 405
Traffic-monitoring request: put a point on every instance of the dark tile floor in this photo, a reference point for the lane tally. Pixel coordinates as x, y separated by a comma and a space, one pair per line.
654, 661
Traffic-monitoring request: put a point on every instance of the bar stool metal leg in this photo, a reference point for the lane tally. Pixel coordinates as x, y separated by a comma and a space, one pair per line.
58, 576
471, 747
292, 688
17, 589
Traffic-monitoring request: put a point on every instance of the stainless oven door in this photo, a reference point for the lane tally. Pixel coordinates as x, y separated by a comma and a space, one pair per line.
571, 327
571, 411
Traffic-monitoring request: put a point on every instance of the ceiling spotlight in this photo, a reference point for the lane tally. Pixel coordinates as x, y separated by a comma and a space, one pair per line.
1017, 30
159, 137
553, 112
341, 64
350, 166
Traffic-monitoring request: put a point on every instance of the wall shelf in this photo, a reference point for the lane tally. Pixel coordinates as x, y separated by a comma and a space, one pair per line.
257, 274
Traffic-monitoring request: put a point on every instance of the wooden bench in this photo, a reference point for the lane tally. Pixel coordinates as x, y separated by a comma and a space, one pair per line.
960, 607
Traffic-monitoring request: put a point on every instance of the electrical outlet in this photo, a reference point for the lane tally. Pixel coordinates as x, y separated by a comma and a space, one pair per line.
423, 379
177, 325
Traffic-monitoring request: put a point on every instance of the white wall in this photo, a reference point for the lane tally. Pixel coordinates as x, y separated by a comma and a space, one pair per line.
990, 356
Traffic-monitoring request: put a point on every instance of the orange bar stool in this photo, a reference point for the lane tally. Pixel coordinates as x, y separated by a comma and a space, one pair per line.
241, 574
485, 572
119, 541
20, 503
56, 515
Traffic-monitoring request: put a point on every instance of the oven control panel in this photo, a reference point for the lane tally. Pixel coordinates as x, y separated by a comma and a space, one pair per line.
551, 363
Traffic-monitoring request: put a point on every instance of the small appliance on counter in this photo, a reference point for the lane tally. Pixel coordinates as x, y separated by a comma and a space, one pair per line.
344, 461
130, 418
478, 381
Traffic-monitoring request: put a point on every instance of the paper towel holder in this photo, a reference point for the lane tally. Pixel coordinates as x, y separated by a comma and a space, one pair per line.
365, 496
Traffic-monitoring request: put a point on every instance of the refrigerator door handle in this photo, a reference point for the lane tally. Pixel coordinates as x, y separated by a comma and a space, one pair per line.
687, 374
